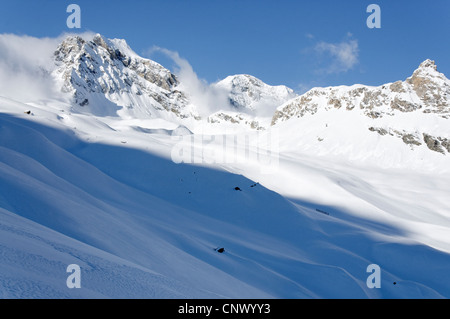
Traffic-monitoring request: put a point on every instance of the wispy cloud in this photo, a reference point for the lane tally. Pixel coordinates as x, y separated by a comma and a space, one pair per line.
26, 64
206, 97
343, 56
24, 67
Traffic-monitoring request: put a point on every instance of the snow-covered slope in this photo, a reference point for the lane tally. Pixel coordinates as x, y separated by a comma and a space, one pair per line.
336, 184
140, 225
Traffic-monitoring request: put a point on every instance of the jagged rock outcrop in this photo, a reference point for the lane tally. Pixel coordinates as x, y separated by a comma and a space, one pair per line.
242, 119
431, 87
426, 90
106, 77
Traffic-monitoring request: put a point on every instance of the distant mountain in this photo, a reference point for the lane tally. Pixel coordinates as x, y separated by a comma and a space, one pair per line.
423, 99
107, 78
249, 93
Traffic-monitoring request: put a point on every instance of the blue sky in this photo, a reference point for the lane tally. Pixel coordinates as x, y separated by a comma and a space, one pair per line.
301, 44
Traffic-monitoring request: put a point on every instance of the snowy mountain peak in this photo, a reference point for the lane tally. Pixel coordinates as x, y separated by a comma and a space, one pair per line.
428, 64
248, 92
431, 87
428, 69
426, 90
107, 78
351, 175
416, 110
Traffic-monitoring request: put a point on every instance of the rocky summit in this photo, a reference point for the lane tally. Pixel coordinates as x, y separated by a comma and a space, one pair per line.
101, 72
426, 94
105, 77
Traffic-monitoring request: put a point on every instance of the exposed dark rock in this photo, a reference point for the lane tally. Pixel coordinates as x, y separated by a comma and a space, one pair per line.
322, 211
432, 88
404, 106
411, 139
100, 66
335, 102
84, 102
379, 130
433, 143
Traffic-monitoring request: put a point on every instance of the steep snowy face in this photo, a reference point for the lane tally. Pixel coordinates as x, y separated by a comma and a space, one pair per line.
249, 93
416, 110
107, 78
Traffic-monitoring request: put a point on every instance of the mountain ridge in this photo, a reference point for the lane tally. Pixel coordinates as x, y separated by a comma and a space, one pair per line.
420, 103
107, 78
99, 70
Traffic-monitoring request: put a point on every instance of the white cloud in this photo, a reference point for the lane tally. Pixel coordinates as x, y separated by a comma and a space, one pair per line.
343, 55
25, 67
207, 98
